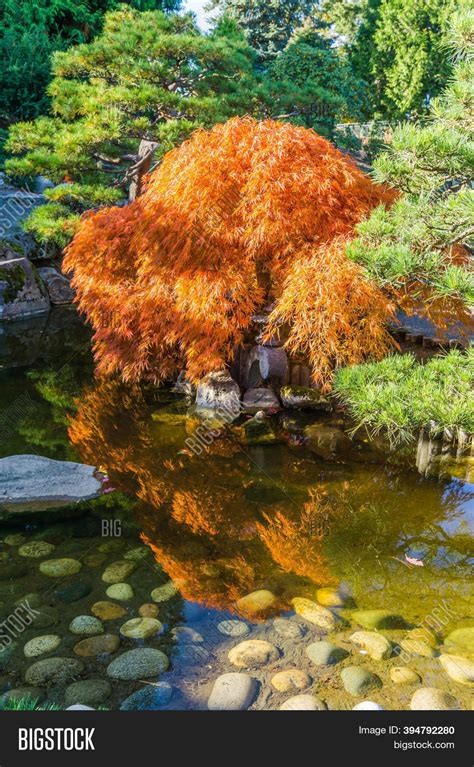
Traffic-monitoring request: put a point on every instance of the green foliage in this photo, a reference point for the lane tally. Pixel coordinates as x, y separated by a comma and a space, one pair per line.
267, 24
398, 396
429, 232
29, 34
148, 76
28, 704
314, 79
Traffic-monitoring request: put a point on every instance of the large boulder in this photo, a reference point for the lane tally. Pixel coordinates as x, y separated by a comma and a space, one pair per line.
57, 285
22, 292
256, 400
30, 483
219, 391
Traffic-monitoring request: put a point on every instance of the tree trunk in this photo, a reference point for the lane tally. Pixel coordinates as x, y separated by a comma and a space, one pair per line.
141, 168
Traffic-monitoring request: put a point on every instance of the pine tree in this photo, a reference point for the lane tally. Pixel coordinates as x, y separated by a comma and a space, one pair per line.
428, 235
134, 92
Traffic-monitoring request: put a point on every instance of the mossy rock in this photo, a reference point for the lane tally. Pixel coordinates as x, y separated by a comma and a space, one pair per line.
304, 398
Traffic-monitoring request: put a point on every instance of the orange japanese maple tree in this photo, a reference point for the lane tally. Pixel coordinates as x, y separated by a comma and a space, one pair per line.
238, 218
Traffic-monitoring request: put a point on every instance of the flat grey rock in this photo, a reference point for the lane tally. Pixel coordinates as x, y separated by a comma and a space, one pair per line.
34, 483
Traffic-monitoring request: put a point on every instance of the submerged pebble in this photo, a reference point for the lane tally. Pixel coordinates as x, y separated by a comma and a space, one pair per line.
303, 703
36, 549
108, 611
59, 568
431, 699
253, 653
141, 628
233, 628
118, 571
314, 613
86, 625
291, 680
141, 663
121, 591
41, 645
233, 692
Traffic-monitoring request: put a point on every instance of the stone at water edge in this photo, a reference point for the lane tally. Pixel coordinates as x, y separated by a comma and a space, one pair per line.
22, 292
431, 699
53, 672
378, 619
60, 568
57, 285
141, 628
89, 692
404, 675
123, 592
219, 390
303, 703
256, 400
291, 680
141, 663
460, 669
325, 653
253, 653
233, 628
108, 611
314, 613
358, 680
149, 698
41, 645
376, 645
36, 549
118, 571
31, 483
256, 603
368, 705
86, 625
102, 644
287, 629
233, 692
303, 398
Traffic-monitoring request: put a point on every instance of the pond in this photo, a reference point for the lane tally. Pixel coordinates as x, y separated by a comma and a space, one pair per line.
216, 536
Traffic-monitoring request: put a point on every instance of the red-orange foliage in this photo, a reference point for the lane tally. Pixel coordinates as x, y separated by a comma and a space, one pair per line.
244, 213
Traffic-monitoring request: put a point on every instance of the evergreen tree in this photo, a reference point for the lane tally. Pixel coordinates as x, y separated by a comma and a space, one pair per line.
428, 234
29, 34
139, 88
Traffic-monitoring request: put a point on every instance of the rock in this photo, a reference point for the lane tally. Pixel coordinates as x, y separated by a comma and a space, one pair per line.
45, 616
148, 610
358, 680
326, 441
186, 635
253, 653
287, 629
165, 592
378, 620
256, 400
89, 692
183, 386
25, 693
314, 613
73, 592
291, 680
460, 669
111, 547
102, 644
86, 625
121, 591
232, 628
303, 398
325, 653
461, 639
306, 702
376, 645
57, 285
368, 705
137, 554
30, 600
219, 391
330, 597
141, 663
423, 635
15, 539
118, 571
108, 611
31, 483
41, 645
415, 647
233, 692
53, 672
22, 292
6, 653
60, 568
36, 549
431, 699
149, 698
256, 603
141, 628
404, 675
